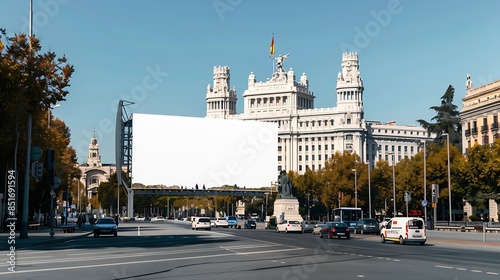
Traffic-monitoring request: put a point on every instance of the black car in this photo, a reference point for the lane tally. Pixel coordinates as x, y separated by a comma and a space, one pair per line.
338, 229
250, 224
367, 225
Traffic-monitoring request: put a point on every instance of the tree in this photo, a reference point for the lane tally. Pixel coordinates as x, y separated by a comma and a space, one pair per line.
447, 120
107, 193
478, 175
30, 83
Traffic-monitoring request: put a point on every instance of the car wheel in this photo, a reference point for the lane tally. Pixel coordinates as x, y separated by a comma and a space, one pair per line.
401, 240
422, 243
320, 235
116, 234
209, 229
382, 238
348, 237
95, 234
338, 237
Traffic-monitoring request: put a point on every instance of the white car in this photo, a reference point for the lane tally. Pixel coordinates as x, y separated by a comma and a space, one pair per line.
221, 222
289, 226
201, 223
158, 219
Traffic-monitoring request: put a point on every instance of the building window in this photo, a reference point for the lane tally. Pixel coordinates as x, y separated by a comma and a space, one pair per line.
333, 147
279, 158
300, 167
319, 147
300, 148
312, 147
319, 157
348, 137
279, 148
386, 148
348, 121
326, 157
307, 147
300, 158
326, 147
307, 157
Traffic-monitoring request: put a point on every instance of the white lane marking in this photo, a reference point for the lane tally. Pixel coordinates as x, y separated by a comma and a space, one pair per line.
459, 268
145, 261
492, 273
442, 266
476, 271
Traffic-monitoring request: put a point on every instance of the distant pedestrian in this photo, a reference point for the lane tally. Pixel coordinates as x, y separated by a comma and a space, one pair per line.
84, 220
79, 221
117, 219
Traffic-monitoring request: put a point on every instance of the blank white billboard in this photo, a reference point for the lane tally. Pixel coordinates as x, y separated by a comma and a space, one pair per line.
185, 151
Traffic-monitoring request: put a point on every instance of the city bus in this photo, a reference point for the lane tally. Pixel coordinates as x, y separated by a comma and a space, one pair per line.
348, 215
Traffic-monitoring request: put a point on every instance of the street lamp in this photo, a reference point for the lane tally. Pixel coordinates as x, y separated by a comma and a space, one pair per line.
393, 184
449, 182
355, 189
369, 191
48, 114
425, 181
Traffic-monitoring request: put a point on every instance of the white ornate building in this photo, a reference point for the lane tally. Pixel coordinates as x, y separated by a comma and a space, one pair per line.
93, 171
307, 135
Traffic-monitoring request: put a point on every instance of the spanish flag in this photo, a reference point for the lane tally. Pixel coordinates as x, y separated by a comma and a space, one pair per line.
271, 48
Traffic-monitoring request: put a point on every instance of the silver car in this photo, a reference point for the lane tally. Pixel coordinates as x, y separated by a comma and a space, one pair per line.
105, 226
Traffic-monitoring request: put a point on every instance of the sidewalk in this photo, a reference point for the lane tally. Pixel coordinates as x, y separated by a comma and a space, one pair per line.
42, 236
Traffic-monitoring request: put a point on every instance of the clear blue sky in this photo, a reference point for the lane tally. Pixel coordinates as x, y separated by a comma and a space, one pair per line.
410, 51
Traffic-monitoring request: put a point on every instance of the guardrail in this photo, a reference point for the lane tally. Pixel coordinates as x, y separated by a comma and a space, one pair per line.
468, 228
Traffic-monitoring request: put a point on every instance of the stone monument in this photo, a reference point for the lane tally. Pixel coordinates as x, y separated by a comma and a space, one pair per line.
286, 206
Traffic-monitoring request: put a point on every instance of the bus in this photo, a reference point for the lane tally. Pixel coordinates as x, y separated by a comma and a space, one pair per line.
348, 215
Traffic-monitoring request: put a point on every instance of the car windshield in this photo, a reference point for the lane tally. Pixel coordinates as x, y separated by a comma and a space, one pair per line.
293, 222
371, 222
231, 218
204, 220
105, 221
339, 225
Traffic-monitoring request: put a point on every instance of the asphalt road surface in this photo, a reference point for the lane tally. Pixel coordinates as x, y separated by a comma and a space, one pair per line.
174, 251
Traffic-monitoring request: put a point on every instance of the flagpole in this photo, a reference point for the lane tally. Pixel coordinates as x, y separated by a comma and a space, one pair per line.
271, 52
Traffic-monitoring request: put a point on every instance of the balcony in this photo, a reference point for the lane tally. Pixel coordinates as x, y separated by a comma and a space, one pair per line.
474, 130
494, 126
484, 129
467, 132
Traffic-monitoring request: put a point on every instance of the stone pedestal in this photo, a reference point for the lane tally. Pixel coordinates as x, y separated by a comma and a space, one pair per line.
287, 209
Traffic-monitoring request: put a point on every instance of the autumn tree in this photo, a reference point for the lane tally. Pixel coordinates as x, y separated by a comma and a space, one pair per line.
479, 175
107, 194
31, 81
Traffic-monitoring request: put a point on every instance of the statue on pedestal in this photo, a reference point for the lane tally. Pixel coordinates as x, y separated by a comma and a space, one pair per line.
285, 185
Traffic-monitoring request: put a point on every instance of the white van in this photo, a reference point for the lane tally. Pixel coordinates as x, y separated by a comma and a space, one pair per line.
404, 229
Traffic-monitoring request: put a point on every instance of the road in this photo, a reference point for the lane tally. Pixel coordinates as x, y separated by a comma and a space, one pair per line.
174, 251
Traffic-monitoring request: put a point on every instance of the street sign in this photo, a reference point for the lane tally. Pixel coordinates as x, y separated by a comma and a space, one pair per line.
407, 197
424, 203
53, 194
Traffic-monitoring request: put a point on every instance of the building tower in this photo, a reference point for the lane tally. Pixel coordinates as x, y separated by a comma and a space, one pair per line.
221, 100
93, 156
350, 104
350, 86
